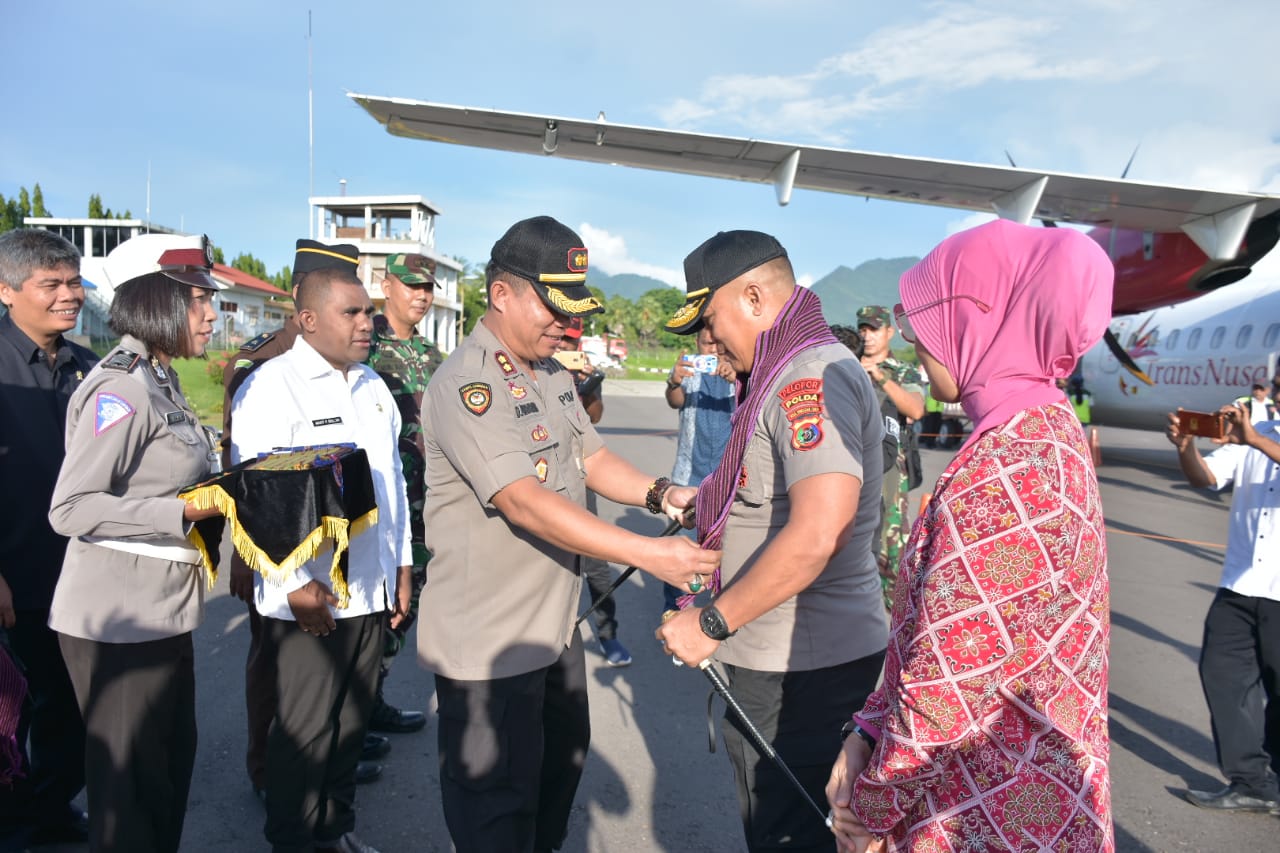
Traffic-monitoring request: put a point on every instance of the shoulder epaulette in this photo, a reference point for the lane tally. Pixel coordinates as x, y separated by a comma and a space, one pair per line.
123, 360
255, 344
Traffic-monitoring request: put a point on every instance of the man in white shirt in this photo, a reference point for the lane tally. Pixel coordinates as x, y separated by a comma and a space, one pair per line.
1241, 649
319, 392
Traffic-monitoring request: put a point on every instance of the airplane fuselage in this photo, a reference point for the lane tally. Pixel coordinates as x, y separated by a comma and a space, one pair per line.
1201, 355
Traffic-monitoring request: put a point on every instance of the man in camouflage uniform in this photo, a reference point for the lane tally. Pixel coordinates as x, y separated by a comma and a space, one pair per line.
900, 390
405, 360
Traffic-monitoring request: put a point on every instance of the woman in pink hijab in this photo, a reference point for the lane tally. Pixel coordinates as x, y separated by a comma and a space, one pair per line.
989, 731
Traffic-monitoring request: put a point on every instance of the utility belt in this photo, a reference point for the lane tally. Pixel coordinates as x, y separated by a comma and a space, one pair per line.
168, 553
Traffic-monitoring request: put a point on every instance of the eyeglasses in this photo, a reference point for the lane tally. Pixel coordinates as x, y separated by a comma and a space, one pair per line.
901, 314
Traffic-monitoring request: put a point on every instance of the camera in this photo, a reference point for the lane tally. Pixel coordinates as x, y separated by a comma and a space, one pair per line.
703, 363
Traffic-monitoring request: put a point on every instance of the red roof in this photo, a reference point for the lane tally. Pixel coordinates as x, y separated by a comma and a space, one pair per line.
243, 279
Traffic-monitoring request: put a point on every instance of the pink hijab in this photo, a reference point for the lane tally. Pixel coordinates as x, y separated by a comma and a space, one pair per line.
1049, 290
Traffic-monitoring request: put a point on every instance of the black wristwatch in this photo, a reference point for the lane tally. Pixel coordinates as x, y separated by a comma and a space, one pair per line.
852, 728
713, 624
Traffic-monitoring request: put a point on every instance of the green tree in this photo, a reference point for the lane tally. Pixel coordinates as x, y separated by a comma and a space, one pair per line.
283, 280
471, 286
248, 263
37, 203
218, 257
24, 202
95, 207
10, 216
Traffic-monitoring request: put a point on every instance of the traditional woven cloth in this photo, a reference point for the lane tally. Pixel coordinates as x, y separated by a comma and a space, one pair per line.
799, 326
286, 508
993, 710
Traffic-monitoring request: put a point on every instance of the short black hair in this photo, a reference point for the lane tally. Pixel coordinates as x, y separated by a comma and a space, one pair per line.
314, 287
1257, 387
25, 250
153, 308
493, 272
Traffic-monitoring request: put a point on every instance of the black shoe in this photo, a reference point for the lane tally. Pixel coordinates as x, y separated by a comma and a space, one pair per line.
388, 718
367, 771
1230, 799
375, 746
72, 829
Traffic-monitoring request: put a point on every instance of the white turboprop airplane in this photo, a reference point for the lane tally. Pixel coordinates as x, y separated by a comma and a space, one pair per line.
1169, 244
1200, 355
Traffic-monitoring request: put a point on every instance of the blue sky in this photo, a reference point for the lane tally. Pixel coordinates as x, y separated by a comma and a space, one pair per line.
214, 96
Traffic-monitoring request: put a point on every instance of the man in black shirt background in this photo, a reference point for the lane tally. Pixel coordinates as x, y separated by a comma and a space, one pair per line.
41, 288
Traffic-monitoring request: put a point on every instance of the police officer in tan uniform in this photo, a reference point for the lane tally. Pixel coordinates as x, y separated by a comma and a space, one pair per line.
510, 455
131, 592
797, 621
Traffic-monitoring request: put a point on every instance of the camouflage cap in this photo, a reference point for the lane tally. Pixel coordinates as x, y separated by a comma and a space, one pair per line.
412, 269
875, 316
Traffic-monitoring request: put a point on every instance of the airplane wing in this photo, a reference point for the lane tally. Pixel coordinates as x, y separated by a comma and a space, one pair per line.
1215, 220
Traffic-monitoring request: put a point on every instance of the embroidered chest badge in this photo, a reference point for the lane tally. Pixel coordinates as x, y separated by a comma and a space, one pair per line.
802, 404
504, 362
477, 397
540, 433
109, 410
518, 392
540, 468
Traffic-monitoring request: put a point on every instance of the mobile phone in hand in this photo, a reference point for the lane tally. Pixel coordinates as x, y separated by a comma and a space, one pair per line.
1205, 424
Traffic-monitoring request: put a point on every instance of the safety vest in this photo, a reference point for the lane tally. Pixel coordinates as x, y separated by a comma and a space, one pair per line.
1083, 406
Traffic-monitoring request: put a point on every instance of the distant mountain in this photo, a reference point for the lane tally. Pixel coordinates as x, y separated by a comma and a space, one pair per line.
628, 285
843, 291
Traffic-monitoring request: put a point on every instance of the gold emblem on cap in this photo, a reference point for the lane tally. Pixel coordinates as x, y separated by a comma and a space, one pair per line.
562, 278
565, 305
687, 313
340, 257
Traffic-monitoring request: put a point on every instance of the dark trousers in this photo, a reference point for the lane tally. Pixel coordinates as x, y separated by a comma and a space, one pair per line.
598, 578
324, 689
138, 701
800, 714
511, 755
50, 731
1240, 674
259, 701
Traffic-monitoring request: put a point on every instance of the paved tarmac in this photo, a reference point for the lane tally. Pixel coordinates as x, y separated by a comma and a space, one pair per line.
650, 784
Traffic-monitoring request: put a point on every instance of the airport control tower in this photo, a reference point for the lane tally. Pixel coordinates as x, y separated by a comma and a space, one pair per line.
380, 226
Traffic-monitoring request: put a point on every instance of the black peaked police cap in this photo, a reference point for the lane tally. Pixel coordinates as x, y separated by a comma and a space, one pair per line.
312, 255
714, 264
552, 257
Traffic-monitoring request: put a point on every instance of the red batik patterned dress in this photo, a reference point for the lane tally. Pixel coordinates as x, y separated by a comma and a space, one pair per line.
993, 711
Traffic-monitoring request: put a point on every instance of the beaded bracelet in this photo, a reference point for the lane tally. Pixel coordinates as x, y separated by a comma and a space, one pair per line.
653, 498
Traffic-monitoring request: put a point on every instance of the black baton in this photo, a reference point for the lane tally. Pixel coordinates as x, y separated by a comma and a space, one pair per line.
622, 578
762, 746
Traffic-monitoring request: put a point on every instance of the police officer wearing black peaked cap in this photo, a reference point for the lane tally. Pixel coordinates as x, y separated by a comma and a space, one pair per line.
510, 456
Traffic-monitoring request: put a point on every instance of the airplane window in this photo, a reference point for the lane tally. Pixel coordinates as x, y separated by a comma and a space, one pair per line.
1173, 339
1242, 336
1215, 340
1273, 332
1193, 339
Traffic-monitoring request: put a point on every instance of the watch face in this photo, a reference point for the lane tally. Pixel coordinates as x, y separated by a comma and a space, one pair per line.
713, 625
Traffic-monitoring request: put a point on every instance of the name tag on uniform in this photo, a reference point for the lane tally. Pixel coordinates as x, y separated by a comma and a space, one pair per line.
326, 422
172, 418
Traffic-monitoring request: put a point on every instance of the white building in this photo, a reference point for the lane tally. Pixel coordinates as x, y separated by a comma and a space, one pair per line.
381, 226
246, 306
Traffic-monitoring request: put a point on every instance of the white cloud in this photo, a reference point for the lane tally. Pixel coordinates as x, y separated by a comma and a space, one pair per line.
609, 254
805, 279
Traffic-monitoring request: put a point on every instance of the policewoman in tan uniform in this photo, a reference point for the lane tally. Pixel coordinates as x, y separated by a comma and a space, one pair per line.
130, 592
510, 455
